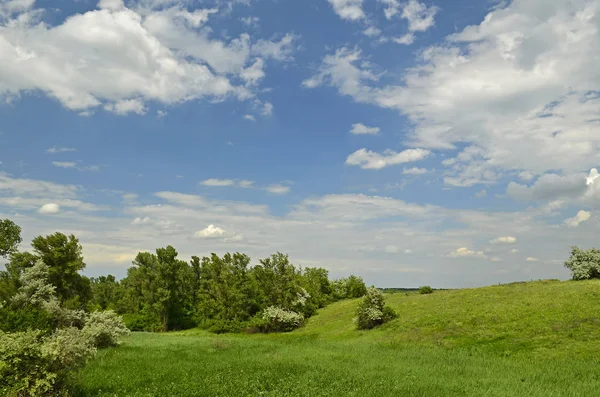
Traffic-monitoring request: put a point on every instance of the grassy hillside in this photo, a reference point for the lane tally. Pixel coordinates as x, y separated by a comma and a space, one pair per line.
548, 317
525, 339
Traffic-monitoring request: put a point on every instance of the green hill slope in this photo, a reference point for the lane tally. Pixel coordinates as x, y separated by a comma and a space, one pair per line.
534, 316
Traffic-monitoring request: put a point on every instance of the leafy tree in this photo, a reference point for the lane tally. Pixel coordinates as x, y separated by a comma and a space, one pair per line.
316, 282
106, 292
157, 287
10, 237
227, 296
349, 288
278, 281
584, 264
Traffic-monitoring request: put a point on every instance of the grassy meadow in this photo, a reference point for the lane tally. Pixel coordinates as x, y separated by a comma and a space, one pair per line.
523, 339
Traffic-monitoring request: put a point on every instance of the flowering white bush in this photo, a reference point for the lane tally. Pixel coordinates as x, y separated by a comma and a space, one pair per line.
372, 311
301, 297
584, 264
276, 319
105, 328
33, 365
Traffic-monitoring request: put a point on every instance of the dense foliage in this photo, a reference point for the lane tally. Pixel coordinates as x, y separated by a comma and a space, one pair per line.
584, 264
372, 311
161, 292
425, 290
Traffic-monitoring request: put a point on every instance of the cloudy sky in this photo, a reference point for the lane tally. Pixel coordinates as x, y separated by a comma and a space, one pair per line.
411, 142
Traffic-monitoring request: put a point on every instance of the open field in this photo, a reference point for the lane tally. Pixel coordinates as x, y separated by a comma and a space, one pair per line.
523, 339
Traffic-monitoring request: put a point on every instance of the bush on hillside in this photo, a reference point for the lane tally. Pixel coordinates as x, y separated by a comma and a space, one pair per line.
105, 329
425, 290
349, 288
584, 264
34, 365
277, 319
372, 310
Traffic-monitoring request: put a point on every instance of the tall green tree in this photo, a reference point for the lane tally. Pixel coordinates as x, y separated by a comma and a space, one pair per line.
158, 285
63, 255
10, 237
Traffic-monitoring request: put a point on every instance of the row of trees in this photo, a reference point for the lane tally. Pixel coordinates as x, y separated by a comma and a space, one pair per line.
161, 292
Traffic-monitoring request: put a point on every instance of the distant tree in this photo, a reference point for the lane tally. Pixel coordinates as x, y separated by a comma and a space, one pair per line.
106, 292
349, 288
10, 237
584, 264
316, 282
425, 290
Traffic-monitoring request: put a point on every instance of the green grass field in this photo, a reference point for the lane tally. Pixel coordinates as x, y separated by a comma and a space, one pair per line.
524, 339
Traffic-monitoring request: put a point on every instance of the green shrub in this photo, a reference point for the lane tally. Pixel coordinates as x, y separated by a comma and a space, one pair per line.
105, 329
584, 264
372, 311
23, 319
34, 365
425, 290
140, 322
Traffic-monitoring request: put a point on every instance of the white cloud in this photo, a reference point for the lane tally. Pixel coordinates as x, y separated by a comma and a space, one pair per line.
49, 209
408, 251
580, 217
504, 240
372, 31
211, 231
121, 57
359, 128
126, 106
217, 182
141, 221
514, 251
415, 171
278, 189
246, 184
254, 73
278, 50
267, 109
465, 252
367, 159
249, 117
407, 39
419, 16
55, 149
348, 9
513, 85
531, 259
591, 178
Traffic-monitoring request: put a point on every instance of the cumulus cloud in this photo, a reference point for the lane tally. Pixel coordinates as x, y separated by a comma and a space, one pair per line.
359, 128
49, 209
211, 231
465, 252
64, 164
504, 240
348, 9
367, 159
120, 57
513, 85
141, 221
580, 217
418, 15
531, 259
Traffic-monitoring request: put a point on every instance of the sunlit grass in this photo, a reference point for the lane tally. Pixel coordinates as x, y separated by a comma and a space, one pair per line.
533, 339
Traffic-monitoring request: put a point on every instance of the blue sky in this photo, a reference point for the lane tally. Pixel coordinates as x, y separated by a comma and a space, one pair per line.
410, 142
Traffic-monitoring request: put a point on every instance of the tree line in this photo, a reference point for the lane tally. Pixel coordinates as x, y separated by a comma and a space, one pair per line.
162, 292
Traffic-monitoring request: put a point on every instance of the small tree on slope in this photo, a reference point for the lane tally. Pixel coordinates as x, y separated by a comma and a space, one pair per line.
372, 310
